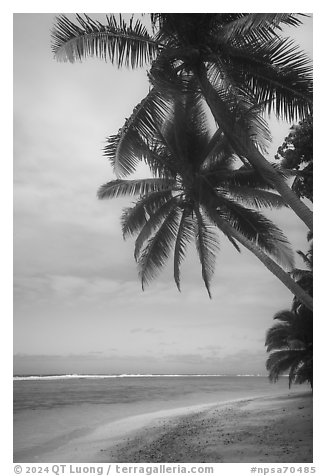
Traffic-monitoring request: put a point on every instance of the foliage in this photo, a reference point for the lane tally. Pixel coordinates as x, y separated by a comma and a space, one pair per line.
240, 65
296, 154
243, 52
196, 188
290, 341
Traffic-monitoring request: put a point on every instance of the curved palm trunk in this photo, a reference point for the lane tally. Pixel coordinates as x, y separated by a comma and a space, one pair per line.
245, 147
270, 264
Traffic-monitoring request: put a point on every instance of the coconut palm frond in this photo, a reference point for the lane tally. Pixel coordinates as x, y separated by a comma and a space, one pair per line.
298, 364
305, 372
256, 198
240, 104
124, 150
207, 244
279, 76
285, 316
121, 188
257, 26
280, 334
234, 114
130, 145
156, 253
258, 129
134, 218
116, 41
280, 361
159, 161
215, 218
258, 229
277, 339
154, 221
247, 176
186, 234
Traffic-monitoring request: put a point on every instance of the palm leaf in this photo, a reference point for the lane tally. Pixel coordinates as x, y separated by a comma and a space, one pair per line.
305, 372
256, 198
255, 227
230, 115
256, 26
116, 41
282, 360
207, 246
247, 176
185, 234
159, 160
240, 102
250, 118
158, 249
280, 334
130, 145
277, 73
285, 316
214, 216
121, 188
240, 106
277, 338
134, 218
153, 222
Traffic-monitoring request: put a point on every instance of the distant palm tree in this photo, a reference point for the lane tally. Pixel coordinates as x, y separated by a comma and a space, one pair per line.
290, 345
291, 340
236, 59
304, 277
195, 191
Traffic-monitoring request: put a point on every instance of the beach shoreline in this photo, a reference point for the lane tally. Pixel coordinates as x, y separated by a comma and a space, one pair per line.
274, 429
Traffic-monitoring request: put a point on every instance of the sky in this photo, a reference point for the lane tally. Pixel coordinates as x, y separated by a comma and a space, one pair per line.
78, 303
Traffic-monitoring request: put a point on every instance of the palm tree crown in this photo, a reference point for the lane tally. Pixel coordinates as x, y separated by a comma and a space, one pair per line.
290, 345
290, 341
196, 189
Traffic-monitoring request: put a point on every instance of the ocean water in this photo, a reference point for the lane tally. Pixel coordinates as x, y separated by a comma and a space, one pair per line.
49, 411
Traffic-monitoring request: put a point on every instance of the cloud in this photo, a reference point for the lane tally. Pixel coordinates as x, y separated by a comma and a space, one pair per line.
193, 359
150, 330
211, 349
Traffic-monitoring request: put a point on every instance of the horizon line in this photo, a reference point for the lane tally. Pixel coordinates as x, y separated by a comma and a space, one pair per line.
124, 375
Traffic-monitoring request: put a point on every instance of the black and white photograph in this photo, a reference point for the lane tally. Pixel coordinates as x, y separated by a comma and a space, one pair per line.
163, 238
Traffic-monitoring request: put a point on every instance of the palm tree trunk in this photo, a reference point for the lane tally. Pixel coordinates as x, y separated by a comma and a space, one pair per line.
270, 264
244, 146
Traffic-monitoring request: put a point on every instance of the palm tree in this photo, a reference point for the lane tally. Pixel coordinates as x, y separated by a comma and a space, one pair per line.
291, 340
304, 277
290, 344
235, 59
195, 191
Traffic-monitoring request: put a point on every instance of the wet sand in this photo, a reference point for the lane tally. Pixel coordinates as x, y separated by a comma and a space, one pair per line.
275, 429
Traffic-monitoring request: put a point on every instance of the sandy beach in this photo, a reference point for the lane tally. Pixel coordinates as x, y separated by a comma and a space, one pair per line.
275, 429
272, 429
